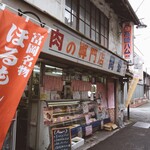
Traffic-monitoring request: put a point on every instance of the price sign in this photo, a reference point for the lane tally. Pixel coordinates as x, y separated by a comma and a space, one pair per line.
61, 139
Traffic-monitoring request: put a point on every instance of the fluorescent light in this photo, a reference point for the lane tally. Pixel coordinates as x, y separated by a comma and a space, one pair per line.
36, 70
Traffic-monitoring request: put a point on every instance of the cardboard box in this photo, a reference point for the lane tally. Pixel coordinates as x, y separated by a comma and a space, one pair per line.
110, 126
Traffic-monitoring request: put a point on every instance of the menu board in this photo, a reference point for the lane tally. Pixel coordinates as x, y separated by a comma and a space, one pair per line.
61, 139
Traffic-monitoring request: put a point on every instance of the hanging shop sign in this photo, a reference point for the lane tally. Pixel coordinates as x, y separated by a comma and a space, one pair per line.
127, 42
67, 45
20, 44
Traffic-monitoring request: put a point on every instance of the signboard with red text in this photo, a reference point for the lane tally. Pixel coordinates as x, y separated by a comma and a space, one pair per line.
20, 44
70, 46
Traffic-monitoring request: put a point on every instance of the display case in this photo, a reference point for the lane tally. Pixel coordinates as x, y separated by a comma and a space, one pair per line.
75, 114
62, 113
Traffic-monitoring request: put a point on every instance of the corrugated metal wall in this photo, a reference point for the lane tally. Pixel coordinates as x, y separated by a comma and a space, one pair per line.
139, 92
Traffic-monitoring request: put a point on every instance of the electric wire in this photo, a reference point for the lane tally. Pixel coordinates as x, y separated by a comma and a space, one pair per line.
139, 6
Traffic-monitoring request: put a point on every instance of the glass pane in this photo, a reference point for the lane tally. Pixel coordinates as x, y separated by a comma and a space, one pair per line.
82, 3
87, 30
82, 13
67, 18
97, 26
97, 14
87, 6
74, 22
106, 22
68, 5
106, 42
102, 30
93, 35
106, 32
93, 11
102, 41
74, 7
97, 37
102, 19
87, 18
93, 23
81, 26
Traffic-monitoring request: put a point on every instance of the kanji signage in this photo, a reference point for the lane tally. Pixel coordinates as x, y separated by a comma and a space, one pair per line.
127, 43
64, 44
20, 44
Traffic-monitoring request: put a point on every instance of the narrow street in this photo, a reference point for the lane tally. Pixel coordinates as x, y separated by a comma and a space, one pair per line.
141, 113
134, 136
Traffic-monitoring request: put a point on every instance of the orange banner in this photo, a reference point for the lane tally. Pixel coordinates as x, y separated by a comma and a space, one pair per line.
20, 44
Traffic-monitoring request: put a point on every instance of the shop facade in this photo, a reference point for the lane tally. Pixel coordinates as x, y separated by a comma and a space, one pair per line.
77, 82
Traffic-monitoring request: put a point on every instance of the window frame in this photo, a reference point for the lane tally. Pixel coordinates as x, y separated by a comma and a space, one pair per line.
98, 34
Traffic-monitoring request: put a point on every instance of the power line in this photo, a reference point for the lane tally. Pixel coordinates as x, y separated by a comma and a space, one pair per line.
138, 49
139, 6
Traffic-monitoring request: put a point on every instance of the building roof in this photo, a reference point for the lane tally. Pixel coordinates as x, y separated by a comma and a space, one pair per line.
124, 10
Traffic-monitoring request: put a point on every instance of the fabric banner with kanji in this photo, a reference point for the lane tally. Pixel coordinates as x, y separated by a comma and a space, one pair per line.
20, 44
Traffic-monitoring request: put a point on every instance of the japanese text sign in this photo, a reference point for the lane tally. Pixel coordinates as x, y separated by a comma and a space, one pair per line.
67, 45
127, 42
20, 44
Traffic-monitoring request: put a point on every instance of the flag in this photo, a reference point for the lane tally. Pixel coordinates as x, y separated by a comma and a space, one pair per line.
131, 89
20, 44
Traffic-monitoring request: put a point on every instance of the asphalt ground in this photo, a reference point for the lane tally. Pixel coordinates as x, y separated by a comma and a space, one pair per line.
130, 137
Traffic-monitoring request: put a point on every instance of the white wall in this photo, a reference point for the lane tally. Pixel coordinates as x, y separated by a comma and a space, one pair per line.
53, 7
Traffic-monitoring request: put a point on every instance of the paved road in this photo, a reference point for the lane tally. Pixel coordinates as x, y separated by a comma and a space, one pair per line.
141, 113
131, 137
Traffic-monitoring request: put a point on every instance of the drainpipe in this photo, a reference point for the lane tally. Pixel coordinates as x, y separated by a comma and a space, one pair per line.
128, 109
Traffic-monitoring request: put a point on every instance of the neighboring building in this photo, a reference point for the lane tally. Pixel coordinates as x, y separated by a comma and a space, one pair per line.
79, 77
141, 94
137, 69
146, 78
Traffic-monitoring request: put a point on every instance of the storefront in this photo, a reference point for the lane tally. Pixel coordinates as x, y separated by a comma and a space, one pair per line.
75, 84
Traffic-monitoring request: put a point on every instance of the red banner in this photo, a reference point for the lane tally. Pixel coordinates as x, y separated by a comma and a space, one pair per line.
20, 44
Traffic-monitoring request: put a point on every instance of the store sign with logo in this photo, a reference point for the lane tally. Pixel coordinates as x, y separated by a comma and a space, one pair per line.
20, 44
67, 45
127, 42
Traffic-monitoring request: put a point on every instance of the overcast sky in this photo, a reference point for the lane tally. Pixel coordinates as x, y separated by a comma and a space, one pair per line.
142, 35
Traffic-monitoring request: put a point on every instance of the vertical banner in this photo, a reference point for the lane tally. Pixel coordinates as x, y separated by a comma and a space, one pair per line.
20, 44
127, 42
131, 89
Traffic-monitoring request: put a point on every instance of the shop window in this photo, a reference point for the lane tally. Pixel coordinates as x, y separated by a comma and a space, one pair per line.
85, 17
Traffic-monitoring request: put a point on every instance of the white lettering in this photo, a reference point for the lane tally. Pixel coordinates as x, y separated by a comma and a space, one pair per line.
17, 36
4, 79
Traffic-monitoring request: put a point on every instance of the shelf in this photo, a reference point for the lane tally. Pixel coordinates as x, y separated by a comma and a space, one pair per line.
56, 104
65, 122
66, 100
66, 113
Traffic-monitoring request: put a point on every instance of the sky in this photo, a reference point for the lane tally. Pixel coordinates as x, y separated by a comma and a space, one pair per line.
142, 35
